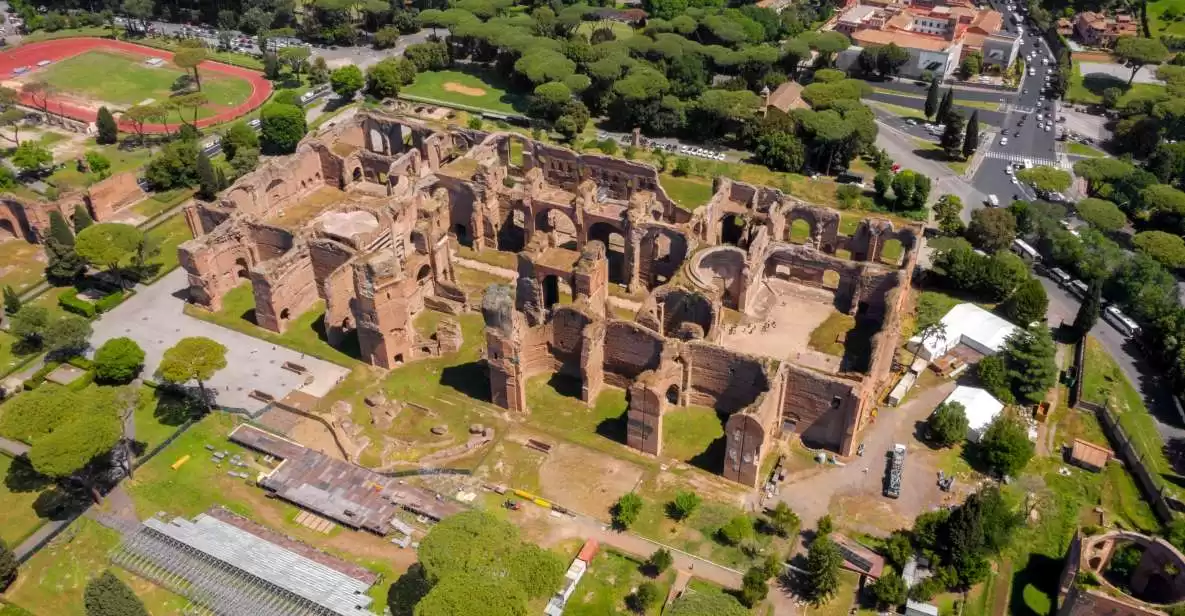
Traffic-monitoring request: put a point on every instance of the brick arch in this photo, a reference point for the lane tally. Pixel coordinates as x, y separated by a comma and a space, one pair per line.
541, 222
13, 222
663, 252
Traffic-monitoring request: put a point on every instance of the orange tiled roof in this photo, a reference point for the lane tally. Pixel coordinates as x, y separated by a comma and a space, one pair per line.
912, 40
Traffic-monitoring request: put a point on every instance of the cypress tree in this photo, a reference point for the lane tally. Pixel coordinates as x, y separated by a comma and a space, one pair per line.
932, 98
64, 264
108, 129
59, 231
8, 566
1088, 312
12, 301
971, 139
944, 108
207, 177
82, 218
107, 595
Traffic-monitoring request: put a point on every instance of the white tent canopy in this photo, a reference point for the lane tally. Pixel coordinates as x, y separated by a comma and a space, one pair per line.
966, 324
981, 407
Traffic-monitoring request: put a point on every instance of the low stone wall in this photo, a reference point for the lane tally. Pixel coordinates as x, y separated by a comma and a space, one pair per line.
1150, 485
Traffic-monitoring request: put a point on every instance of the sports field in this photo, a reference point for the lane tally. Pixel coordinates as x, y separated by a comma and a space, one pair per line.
87, 73
465, 89
122, 80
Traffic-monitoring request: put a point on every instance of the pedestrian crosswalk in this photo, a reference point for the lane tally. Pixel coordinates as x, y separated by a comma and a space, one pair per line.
1020, 158
1023, 110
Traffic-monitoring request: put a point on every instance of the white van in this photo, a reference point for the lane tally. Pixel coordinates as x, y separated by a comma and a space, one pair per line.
993, 201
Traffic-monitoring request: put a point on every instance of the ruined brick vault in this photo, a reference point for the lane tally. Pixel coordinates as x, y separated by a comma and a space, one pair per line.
363, 216
28, 219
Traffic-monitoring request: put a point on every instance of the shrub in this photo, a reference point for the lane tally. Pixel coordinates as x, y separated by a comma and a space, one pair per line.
111, 300
70, 302
737, 530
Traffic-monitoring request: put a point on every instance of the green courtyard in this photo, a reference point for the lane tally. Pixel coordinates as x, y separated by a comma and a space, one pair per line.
481, 91
124, 80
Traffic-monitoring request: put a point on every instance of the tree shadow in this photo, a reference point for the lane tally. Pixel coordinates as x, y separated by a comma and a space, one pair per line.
175, 408
711, 459
59, 503
469, 378
1099, 82
22, 478
938, 156
1041, 573
407, 591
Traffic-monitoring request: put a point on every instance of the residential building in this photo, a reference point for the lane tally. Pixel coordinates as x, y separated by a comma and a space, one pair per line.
787, 97
1101, 30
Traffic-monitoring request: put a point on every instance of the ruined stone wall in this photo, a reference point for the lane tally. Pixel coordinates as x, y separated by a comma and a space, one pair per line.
106, 197
217, 262
820, 406
630, 350
285, 288
722, 379
269, 242
17, 220
279, 182
567, 338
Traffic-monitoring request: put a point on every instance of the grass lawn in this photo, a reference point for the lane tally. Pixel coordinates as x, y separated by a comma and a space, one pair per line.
690, 193
167, 236
688, 432
1089, 89
825, 337
1082, 149
610, 578
464, 88
9, 359
158, 415
304, 333
53, 580
122, 159
161, 202
1103, 381
124, 80
1156, 21
19, 520
620, 31
22, 264
42, 35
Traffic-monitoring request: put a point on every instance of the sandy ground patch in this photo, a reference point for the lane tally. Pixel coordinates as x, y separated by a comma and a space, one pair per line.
453, 86
585, 480
791, 314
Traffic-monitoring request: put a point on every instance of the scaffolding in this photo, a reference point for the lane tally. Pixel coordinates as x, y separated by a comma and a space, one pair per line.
217, 586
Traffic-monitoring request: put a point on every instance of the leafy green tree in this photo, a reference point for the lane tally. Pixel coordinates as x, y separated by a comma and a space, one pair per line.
207, 178
780, 151
1136, 52
193, 359
66, 450
684, 504
8, 566
706, 604
665, 9
318, 71
753, 586
108, 130
59, 229
1045, 178
822, 570
108, 245
644, 598
283, 126
972, 65
189, 58
737, 530
119, 360
898, 548
140, 116
890, 589
67, 336
31, 157
626, 510
1006, 446
1031, 366
993, 374
429, 56
948, 212
173, 167
948, 424
1002, 273
825, 525
1027, 304
107, 595
346, 81
932, 99
1103, 215
468, 593
992, 229
239, 137
660, 561
784, 520
12, 301
384, 79
98, 164
1088, 311
971, 137
1166, 248
891, 59
296, 57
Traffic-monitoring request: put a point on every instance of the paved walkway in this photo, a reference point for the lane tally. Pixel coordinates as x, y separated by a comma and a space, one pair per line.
16, 448
155, 320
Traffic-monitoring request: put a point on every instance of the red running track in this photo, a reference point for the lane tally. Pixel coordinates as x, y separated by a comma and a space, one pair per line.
60, 49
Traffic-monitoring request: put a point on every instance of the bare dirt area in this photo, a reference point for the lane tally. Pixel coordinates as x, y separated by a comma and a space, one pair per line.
853, 492
788, 313
585, 480
453, 86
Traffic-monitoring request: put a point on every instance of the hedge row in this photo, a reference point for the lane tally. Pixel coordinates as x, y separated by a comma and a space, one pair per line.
70, 302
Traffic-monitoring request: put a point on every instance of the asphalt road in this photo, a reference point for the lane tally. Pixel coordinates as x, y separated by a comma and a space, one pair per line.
1033, 143
1157, 396
918, 89
995, 118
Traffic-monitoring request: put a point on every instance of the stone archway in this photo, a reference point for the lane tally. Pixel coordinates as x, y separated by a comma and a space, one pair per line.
242, 268
7, 230
424, 276
732, 230
512, 235
551, 291
615, 250
558, 223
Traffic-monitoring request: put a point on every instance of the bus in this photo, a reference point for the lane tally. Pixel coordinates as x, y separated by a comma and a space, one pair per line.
1120, 321
1024, 250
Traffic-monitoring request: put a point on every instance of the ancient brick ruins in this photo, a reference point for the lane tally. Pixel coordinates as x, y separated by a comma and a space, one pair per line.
363, 216
1157, 581
28, 220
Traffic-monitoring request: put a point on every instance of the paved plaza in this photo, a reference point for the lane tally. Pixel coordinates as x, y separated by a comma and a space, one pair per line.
155, 320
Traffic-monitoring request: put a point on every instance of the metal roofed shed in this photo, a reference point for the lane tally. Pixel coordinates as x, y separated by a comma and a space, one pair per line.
233, 571
858, 557
917, 608
981, 408
1090, 456
966, 324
